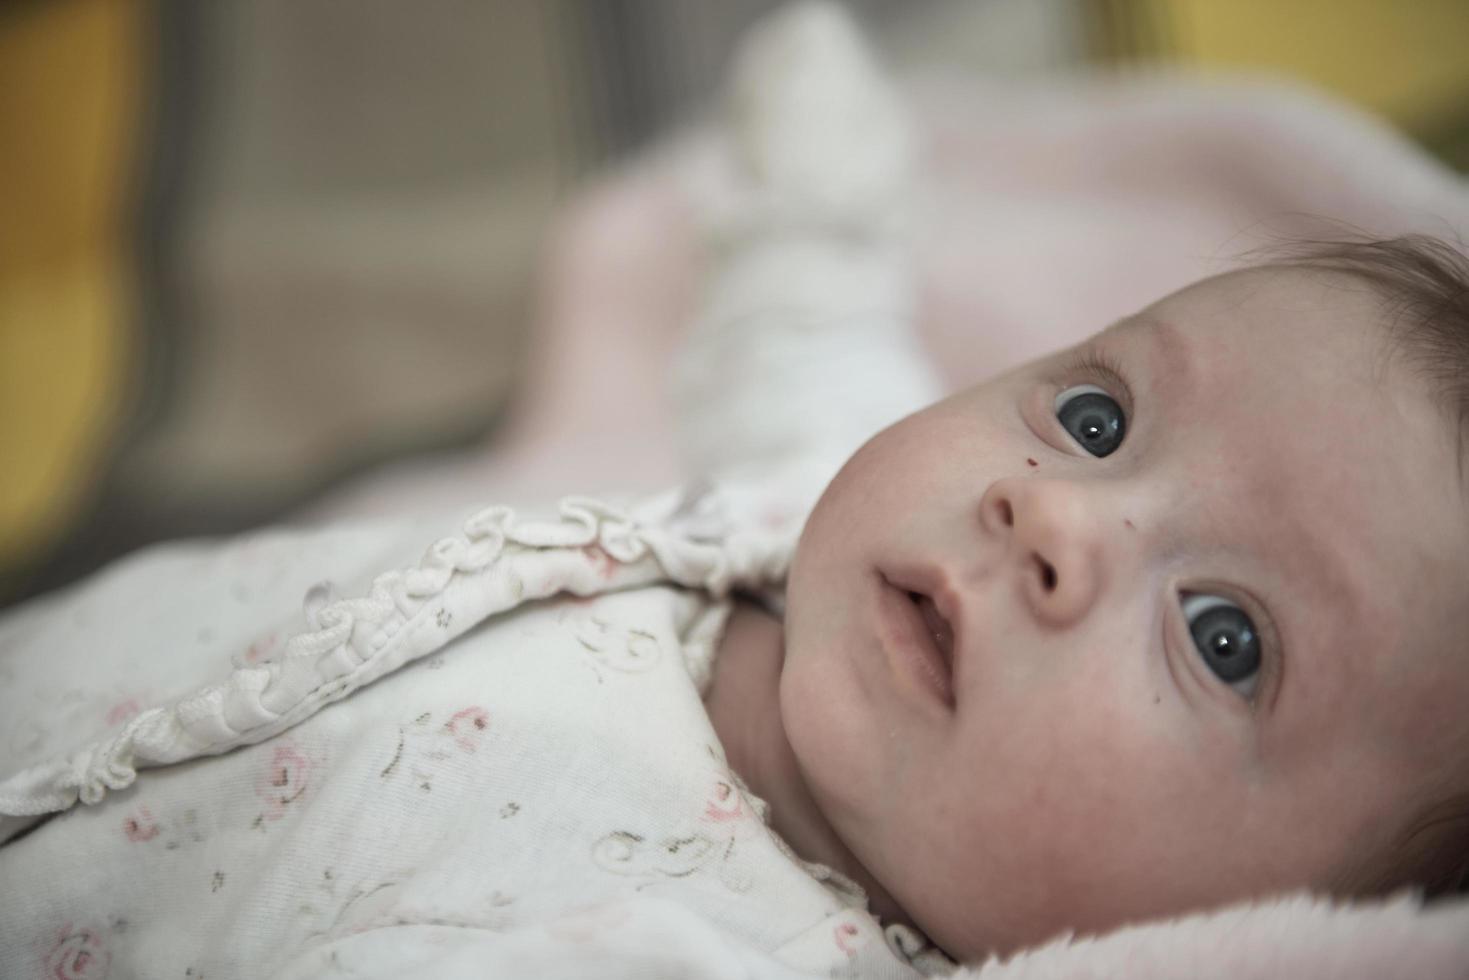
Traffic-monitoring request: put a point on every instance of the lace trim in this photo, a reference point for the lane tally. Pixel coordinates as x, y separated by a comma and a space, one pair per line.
498, 563
917, 950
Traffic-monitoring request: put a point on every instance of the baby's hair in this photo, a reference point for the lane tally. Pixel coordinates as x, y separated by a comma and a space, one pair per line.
1423, 284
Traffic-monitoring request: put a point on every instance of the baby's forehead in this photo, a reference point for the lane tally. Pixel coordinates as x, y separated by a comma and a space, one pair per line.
1292, 373
1306, 332
1275, 388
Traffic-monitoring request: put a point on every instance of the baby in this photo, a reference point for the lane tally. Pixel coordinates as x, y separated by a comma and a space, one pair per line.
1172, 618
1159, 623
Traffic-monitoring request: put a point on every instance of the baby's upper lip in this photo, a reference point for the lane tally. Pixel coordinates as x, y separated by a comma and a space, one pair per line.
933, 583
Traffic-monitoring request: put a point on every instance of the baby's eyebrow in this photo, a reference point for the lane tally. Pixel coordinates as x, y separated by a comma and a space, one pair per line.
1173, 356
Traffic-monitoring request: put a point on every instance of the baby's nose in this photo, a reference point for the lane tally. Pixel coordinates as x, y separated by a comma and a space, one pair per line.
1052, 543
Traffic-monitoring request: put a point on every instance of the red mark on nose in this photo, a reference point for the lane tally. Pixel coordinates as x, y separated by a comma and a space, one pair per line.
1031, 461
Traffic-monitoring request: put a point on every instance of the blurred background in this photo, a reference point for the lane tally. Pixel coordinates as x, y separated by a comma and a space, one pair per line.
249, 250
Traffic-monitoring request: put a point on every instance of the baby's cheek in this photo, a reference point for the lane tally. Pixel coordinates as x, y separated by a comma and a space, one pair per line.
820, 707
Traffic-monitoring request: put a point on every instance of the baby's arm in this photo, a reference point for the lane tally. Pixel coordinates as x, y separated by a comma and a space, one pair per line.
804, 344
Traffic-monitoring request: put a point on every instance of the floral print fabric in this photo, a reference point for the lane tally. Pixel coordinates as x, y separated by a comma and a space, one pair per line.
548, 780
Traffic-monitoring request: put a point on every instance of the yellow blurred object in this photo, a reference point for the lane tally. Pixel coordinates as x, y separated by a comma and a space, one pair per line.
1402, 59
70, 74
1405, 60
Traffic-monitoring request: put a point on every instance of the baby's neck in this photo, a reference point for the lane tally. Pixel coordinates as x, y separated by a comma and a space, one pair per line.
744, 705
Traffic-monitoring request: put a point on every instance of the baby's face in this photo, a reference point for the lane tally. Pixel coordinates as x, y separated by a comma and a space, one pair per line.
1196, 630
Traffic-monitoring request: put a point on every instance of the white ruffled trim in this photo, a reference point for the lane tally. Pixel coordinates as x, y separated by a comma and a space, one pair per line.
355, 641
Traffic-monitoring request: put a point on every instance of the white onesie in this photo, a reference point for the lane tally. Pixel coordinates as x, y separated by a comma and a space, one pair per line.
540, 794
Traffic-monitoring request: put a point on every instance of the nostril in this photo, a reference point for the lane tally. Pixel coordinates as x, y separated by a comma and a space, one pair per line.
1007, 516
1048, 573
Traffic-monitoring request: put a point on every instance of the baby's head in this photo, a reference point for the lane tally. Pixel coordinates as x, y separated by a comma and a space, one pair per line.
1170, 619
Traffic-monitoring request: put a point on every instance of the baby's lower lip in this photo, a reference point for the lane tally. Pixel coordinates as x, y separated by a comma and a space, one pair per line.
912, 649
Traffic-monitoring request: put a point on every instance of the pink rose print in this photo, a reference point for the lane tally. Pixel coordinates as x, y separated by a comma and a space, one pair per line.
283, 780
77, 955
261, 649
122, 711
140, 826
466, 726
773, 518
848, 938
725, 804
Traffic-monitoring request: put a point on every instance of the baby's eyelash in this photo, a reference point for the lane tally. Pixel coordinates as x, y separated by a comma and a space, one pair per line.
1101, 366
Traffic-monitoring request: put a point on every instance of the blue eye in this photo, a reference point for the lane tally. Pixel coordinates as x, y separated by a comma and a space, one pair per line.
1226, 639
1092, 417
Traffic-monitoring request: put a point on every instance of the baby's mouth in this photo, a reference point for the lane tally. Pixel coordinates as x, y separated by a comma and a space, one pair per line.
917, 622
938, 626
